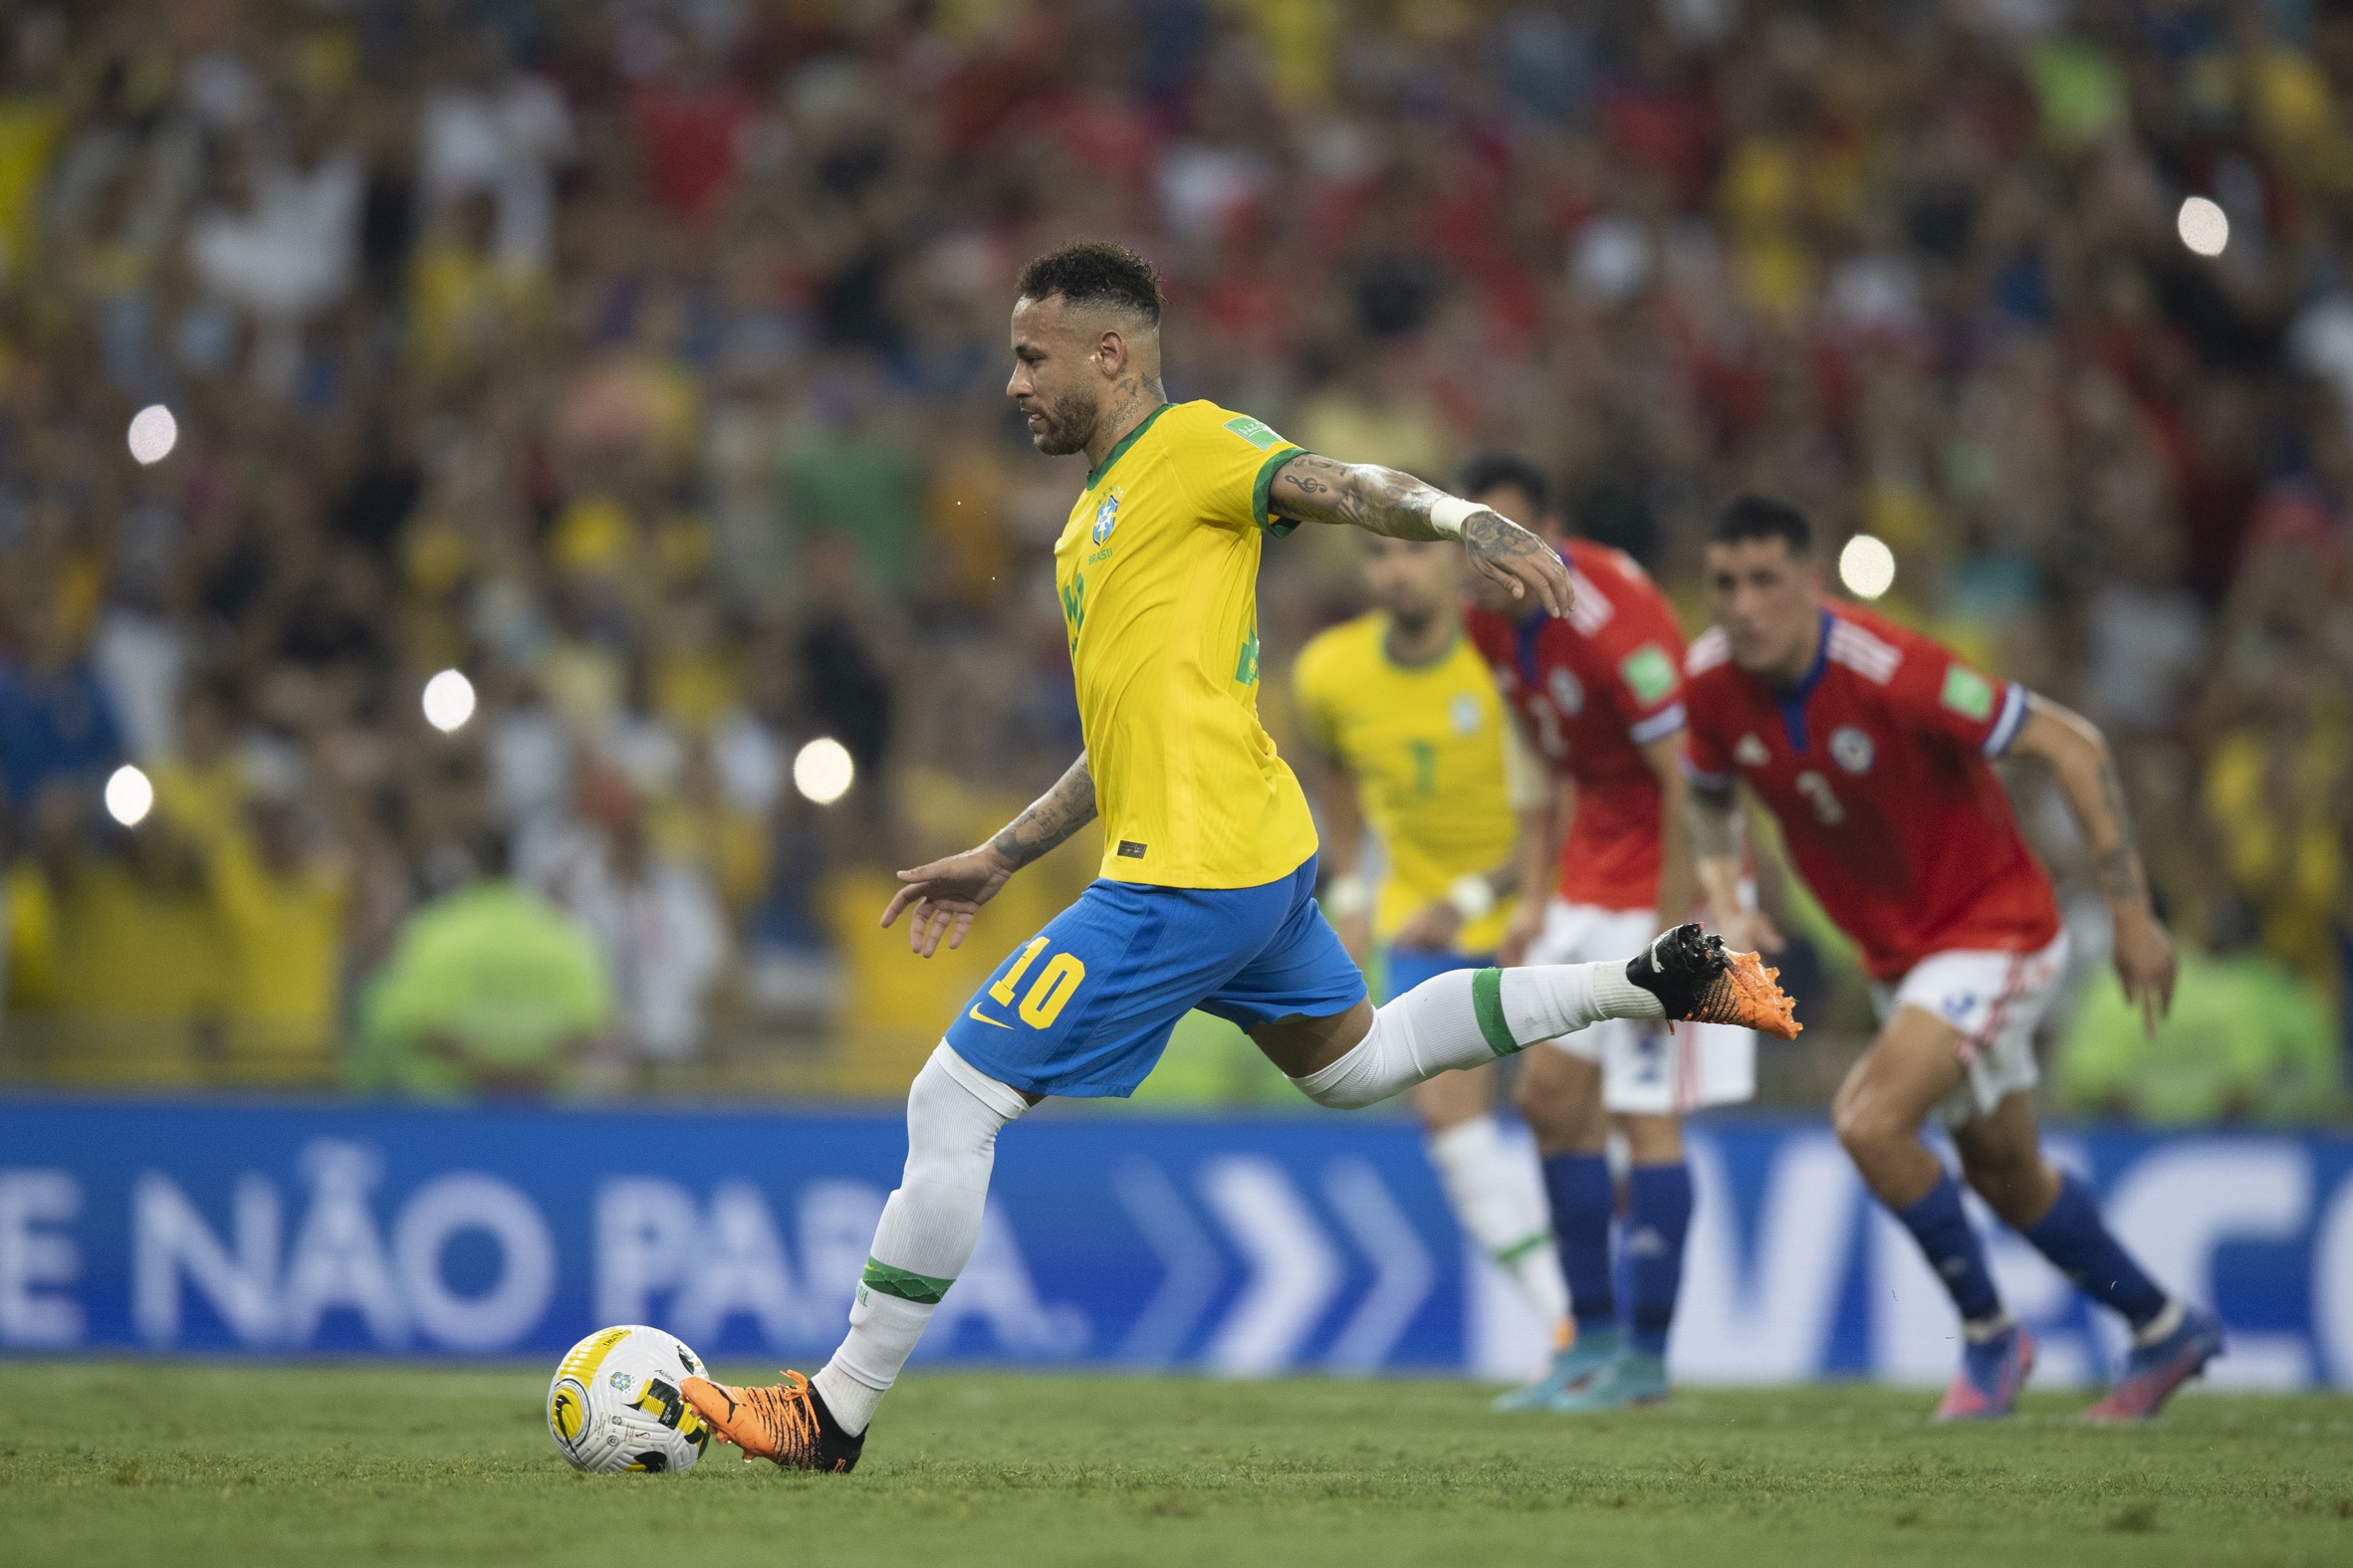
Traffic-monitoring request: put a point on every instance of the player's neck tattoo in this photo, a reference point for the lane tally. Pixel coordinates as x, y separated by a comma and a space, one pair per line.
1134, 396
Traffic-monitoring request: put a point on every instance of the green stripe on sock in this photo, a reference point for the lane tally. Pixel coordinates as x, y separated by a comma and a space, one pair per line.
1521, 1247
921, 1290
1487, 999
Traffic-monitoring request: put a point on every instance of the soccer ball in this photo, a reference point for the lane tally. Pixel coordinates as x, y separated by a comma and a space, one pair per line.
614, 1403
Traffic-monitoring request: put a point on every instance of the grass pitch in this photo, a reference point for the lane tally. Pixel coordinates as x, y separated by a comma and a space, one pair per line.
195, 1465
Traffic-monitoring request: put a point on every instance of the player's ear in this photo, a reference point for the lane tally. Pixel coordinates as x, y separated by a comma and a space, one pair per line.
1110, 352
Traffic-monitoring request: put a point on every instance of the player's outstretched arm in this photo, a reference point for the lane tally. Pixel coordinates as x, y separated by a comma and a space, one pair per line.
2078, 757
944, 895
1712, 815
1398, 506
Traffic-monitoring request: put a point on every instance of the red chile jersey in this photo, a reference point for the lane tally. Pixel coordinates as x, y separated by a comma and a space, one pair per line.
1594, 689
1878, 766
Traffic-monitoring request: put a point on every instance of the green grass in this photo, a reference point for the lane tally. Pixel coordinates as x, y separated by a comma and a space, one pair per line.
192, 1464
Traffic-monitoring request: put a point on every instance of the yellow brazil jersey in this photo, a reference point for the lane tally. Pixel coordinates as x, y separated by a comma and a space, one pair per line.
1426, 744
1158, 574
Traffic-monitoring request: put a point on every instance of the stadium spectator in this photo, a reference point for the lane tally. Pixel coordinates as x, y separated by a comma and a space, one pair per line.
489, 990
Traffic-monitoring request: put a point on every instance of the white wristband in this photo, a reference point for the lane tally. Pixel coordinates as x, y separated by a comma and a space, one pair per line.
1448, 514
1345, 897
1473, 896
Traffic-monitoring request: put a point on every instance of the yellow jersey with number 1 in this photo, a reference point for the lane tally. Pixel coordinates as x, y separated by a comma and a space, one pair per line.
1158, 573
1426, 745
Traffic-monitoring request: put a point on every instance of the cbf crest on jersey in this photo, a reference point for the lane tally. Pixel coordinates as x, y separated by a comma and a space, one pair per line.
1106, 518
1463, 714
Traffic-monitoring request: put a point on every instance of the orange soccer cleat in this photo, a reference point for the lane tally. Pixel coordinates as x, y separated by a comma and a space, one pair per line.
1698, 982
787, 1423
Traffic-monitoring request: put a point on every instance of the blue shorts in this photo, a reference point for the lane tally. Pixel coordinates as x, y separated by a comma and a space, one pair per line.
1084, 1008
1402, 969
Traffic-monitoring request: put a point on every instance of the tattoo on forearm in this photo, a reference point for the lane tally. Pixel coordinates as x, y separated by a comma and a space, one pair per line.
1363, 495
1051, 818
2119, 865
1396, 505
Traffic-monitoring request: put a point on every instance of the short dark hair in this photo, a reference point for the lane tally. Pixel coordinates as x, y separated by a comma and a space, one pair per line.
1763, 517
1492, 470
1095, 272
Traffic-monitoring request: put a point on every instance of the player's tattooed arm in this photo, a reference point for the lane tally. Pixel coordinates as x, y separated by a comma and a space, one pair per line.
1383, 501
2084, 766
945, 895
1051, 818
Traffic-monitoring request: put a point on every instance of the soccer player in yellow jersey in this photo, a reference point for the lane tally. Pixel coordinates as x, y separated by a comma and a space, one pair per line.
1206, 898
1415, 747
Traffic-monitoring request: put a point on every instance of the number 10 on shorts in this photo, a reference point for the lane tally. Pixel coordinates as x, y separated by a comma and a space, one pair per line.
1049, 992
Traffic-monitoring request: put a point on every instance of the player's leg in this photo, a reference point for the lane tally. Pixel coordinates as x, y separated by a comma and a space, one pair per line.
1082, 1009
1362, 1056
1491, 1186
1913, 1065
2172, 1341
1658, 1223
1643, 1079
928, 1228
1560, 1096
1559, 1093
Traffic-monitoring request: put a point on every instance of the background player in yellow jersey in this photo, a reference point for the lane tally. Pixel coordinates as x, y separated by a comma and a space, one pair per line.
1415, 747
1206, 898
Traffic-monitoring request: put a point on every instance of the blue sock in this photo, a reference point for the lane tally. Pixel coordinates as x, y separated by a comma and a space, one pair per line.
2076, 1240
1954, 1249
1658, 1213
1583, 1201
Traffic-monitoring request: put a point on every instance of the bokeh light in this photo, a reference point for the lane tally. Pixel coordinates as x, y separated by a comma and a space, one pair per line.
822, 770
2204, 226
450, 700
129, 796
1867, 567
153, 433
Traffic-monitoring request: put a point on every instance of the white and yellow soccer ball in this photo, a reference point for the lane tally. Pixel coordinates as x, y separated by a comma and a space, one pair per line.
613, 1403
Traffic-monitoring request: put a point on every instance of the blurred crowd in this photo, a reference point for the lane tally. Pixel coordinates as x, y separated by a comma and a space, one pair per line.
643, 361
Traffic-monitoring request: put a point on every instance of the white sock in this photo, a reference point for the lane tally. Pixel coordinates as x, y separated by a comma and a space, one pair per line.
928, 1231
1497, 1198
1464, 1017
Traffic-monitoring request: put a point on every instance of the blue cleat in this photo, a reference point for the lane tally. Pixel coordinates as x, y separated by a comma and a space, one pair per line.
2152, 1372
1990, 1376
1574, 1363
1632, 1378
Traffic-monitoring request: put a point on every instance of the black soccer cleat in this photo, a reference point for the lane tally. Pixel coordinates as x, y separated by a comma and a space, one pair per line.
1698, 982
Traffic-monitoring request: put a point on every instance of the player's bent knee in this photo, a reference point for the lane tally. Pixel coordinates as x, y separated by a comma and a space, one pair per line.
1863, 1126
954, 1113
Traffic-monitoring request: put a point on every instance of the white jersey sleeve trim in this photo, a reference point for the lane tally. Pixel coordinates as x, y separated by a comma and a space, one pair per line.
1660, 724
2013, 719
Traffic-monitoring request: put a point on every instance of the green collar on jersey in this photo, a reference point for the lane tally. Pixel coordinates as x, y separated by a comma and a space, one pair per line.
1095, 475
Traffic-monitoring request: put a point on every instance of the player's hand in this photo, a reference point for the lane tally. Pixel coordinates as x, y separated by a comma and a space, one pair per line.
944, 896
1520, 933
2145, 962
1749, 931
1356, 934
1510, 556
1432, 926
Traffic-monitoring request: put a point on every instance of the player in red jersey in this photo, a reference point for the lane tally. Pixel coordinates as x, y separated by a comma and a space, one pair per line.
1872, 746
1598, 694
